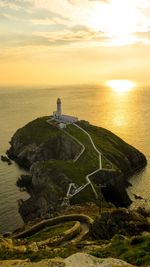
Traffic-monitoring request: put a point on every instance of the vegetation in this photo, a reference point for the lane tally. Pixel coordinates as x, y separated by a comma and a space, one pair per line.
134, 250
119, 221
49, 232
114, 148
37, 132
50, 253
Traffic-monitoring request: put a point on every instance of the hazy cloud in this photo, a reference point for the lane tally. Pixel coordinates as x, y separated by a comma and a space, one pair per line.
16, 4
44, 22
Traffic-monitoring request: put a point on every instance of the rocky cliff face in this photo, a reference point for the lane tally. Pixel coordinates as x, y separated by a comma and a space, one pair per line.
39, 141
48, 153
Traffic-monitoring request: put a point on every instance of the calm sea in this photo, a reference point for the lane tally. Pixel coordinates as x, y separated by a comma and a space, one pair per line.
126, 114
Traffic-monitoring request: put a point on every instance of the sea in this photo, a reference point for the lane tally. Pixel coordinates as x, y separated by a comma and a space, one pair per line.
125, 113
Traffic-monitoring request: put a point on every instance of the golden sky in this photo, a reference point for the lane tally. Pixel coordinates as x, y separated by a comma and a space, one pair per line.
56, 42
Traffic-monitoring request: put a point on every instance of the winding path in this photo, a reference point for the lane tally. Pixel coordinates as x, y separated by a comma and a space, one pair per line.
90, 174
100, 155
73, 235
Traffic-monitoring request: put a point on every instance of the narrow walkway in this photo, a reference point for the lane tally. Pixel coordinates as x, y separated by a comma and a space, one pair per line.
100, 155
100, 160
84, 220
90, 174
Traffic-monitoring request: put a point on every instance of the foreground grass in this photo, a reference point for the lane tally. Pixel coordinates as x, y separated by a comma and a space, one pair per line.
135, 251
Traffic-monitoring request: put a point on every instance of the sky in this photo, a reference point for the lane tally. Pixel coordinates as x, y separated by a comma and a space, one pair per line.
60, 42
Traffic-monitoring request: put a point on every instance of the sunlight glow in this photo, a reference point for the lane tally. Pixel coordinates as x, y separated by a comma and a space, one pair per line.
117, 20
121, 85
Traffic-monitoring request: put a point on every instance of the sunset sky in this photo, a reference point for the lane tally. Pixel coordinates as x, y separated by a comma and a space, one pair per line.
56, 42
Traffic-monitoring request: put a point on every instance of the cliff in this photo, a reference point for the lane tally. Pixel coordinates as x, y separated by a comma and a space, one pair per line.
51, 156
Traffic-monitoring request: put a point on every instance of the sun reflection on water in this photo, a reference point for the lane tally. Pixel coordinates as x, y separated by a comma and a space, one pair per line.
120, 86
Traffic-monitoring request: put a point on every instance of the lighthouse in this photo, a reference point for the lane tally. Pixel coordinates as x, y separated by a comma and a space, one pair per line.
58, 107
63, 119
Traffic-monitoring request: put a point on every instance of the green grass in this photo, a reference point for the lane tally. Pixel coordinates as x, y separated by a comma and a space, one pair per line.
37, 131
84, 196
112, 147
90, 157
42, 254
52, 231
137, 254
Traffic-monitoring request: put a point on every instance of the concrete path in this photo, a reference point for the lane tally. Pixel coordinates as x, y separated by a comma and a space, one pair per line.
92, 173
100, 155
84, 220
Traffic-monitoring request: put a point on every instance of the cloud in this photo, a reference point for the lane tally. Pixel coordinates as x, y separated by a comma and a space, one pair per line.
16, 4
72, 35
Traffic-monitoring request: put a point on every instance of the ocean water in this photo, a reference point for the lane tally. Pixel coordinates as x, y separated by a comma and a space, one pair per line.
126, 114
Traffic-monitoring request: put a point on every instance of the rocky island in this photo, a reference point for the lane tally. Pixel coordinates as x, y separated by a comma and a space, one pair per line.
64, 166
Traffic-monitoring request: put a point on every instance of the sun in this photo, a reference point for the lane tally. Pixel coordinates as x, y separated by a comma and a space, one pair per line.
116, 19
121, 85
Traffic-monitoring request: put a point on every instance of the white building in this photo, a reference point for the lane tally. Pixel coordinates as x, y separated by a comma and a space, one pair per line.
62, 125
63, 118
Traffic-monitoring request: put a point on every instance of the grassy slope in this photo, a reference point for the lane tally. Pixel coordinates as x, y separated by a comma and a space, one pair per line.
111, 146
37, 131
134, 250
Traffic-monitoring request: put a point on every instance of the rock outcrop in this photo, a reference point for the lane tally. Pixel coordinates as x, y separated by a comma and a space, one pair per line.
119, 221
48, 153
39, 141
75, 260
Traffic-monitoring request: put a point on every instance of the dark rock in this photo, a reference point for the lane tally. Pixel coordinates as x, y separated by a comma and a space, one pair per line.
119, 221
7, 234
137, 197
115, 187
47, 190
143, 212
6, 159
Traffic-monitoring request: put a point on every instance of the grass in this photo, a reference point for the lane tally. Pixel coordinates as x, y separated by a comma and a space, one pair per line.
37, 131
137, 254
133, 252
111, 146
90, 157
49, 232
40, 255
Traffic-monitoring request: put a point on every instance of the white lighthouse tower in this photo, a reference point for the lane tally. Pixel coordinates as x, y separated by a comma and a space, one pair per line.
58, 107
63, 119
